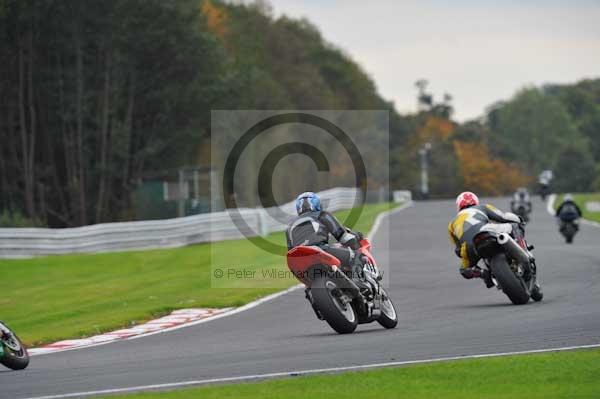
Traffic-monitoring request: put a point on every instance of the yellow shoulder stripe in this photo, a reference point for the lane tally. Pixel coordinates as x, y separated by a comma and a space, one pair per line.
492, 207
458, 224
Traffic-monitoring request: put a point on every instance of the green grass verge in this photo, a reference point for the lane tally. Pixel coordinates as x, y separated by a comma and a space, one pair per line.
549, 375
581, 199
50, 298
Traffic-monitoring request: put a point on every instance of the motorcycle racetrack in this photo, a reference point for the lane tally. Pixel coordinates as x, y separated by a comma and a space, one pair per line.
440, 315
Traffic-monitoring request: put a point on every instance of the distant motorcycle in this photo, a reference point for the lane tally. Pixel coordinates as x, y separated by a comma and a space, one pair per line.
544, 191
13, 353
522, 210
511, 265
568, 229
334, 296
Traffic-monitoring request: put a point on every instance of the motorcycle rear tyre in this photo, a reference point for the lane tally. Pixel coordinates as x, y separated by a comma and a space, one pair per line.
324, 301
511, 285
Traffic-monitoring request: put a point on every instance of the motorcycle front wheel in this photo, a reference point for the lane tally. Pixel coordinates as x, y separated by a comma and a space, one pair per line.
14, 354
389, 317
331, 302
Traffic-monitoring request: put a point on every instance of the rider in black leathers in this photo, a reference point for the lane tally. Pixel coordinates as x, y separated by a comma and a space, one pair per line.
313, 227
568, 212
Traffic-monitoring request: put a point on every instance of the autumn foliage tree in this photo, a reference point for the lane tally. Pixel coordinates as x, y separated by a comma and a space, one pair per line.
484, 174
99, 95
460, 159
444, 178
216, 18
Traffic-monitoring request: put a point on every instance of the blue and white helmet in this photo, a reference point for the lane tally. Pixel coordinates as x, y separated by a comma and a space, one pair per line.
308, 202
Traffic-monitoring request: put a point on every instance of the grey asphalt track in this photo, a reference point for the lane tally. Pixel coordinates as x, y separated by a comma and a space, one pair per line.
440, 314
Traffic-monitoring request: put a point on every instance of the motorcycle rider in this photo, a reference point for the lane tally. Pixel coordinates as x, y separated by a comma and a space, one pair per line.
568, 212
521, 197
470, 220
313, 227
544, 180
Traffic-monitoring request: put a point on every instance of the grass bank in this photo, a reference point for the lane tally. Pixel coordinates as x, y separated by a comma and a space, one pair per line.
581, 200
51, 298
540, 376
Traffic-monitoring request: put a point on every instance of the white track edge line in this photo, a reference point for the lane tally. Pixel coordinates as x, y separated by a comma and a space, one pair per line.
550, 204
385, 214
240, 309
193, 323
306, 372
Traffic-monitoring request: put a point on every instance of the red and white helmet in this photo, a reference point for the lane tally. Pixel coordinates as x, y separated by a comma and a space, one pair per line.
466, 199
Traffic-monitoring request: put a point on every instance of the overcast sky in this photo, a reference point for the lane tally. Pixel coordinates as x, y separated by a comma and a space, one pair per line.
480, 51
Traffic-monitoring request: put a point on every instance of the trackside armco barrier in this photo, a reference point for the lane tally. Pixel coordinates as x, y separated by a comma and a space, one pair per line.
168, 233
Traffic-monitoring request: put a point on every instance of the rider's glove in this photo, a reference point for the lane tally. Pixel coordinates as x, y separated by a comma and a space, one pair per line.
350, 240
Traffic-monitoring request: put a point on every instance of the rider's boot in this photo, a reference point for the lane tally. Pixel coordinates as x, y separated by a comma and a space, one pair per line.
308, 296
477, 272
358, 277
486, 276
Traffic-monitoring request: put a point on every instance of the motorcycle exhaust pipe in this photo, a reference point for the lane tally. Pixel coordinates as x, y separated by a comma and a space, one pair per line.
513, 249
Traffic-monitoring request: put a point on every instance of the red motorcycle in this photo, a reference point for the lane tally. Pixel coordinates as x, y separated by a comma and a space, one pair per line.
334, 296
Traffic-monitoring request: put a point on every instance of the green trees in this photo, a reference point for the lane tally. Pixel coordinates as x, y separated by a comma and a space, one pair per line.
96, 93
575, 170
555, 127
100, 94
582, 102
532, 129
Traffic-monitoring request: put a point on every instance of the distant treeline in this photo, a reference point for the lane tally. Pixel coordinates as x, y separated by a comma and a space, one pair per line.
97, 95
554, 127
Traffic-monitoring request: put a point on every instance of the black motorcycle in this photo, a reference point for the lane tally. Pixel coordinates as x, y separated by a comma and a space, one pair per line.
13, 353
568, 229
511, 265
544, 191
